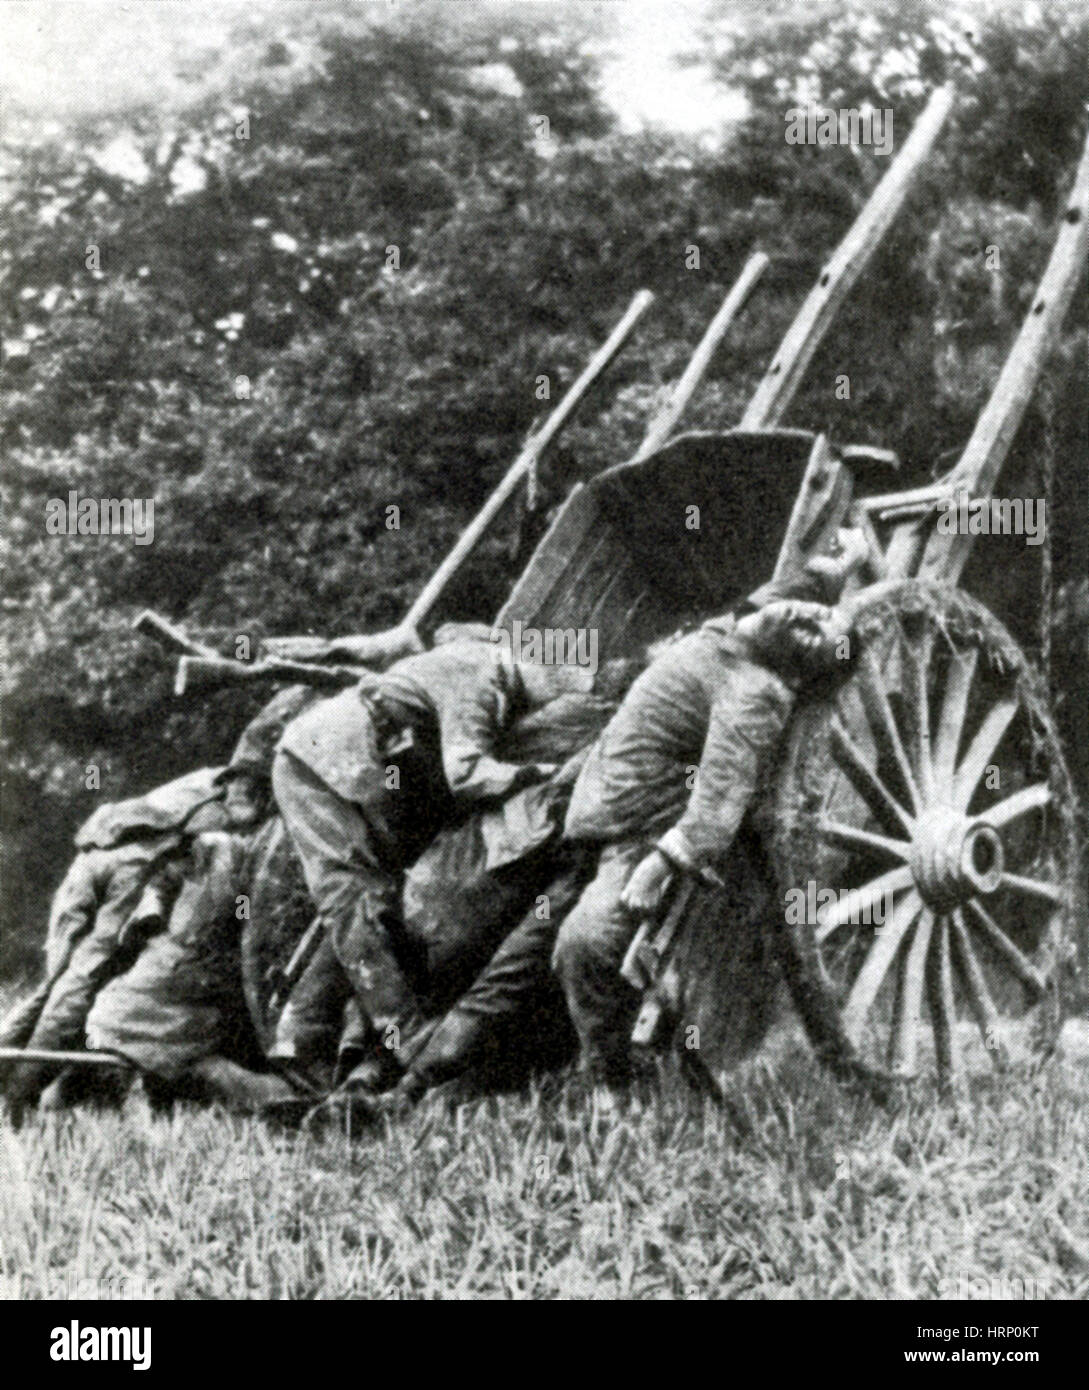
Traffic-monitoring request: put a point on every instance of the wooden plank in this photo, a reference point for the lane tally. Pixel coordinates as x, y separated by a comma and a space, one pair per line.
978, 469
555, 550
821, 505
783, 377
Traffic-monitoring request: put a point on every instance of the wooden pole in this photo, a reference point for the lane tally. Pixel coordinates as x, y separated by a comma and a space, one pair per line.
847, 263
525, 461
665, 421
977, 471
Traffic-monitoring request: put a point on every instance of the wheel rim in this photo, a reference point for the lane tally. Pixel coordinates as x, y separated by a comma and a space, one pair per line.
928, 798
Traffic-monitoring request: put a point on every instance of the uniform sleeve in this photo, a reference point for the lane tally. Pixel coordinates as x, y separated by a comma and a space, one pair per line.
746, 726
73, 910
152, 910
469, 725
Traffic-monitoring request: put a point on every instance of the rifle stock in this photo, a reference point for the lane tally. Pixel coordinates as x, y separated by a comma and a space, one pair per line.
168, 635
199, 673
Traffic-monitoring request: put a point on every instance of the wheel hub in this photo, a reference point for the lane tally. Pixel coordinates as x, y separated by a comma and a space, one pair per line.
954, 857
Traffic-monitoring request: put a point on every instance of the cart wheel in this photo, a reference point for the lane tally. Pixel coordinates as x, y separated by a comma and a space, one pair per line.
925, 845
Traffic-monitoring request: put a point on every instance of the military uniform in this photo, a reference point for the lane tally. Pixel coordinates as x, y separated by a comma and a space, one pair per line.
182, 1000
675, 769
511, 1018
121, 847
364, 781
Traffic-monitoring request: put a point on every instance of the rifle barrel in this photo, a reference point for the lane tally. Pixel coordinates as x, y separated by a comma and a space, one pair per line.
66, 1059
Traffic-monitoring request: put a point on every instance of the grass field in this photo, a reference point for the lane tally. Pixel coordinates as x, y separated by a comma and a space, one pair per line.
800, 1190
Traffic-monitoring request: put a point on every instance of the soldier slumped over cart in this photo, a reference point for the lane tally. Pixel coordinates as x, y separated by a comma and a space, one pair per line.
667, 785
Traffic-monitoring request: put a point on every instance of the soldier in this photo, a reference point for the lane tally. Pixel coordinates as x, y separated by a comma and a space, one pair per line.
511, 1018
90, 937
719, 699
364, 781
179, 1013
484, 902
137, 858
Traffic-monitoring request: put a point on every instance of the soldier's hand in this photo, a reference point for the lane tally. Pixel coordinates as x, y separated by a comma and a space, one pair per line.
643, 894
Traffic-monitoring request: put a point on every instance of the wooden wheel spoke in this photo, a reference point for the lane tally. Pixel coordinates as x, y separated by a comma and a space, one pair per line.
860, 902
974, 763
882, 805
954, 709
910, 1001
1027, 799
1034, 887
1032, 979
979, 996
875, 967
928, 784
943, 1009
852, 837
882, 722
916, 668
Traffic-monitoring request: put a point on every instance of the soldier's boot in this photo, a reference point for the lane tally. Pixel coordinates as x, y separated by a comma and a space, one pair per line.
358, 1042
82, 1086
364, 1097
25, 1085
255, 1093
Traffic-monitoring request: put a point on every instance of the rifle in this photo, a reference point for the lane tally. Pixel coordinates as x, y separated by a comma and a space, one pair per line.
168, 635
649, 966
285, 980
200, 673
66, 1059
201, 667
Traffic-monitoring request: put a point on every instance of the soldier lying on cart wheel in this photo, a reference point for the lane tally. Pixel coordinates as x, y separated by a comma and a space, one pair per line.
719, 701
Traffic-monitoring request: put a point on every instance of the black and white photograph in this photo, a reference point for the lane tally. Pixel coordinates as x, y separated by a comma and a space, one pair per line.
544, 726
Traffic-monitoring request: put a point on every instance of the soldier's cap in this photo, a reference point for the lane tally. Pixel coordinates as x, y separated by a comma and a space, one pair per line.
162, 809
809, 586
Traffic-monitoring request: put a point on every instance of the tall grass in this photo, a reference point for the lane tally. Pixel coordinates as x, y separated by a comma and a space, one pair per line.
797, 1190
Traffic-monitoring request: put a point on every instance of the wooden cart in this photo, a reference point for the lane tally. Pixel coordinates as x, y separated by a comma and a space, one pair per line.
927, 789
928, 781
